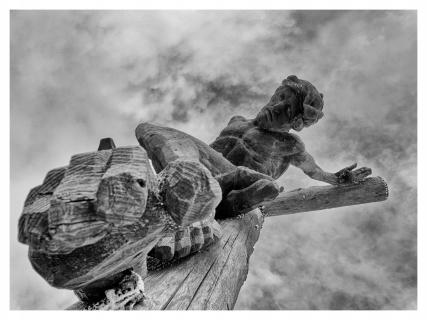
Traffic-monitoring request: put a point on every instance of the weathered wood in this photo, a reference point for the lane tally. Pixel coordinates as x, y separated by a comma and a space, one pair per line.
197, 239
165, 145
243, 189
122, 193
72, 219
33, 223
187, 240
190, 192
165, 249
83, 176
95, 221
208, 280
106, 144
105, 216
325, 197
101, 215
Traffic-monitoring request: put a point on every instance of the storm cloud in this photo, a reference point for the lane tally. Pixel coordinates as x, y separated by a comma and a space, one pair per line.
78, 76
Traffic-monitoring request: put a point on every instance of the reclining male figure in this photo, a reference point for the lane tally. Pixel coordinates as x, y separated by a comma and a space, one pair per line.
261, 148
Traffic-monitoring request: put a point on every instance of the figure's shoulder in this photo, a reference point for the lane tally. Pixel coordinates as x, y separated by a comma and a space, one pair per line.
237, 126
297, 142
290, 141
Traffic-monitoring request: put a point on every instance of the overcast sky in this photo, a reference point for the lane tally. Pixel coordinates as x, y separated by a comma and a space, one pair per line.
79, 76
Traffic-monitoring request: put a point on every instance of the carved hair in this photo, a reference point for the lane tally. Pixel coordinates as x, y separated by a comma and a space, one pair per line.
310, 101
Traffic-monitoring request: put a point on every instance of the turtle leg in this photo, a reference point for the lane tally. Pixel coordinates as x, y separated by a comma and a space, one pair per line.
187, 240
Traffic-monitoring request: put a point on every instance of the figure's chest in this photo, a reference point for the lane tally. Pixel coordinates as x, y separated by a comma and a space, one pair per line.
270, 145
267, 152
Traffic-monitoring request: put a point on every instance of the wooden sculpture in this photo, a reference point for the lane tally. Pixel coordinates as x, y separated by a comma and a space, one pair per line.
91, 225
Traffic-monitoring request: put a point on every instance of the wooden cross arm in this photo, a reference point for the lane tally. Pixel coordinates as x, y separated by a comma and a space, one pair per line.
373, 189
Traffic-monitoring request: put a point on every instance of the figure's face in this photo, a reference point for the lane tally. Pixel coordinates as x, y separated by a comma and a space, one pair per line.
281, 112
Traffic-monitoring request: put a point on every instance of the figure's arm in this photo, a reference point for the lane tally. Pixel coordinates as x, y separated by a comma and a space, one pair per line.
306, 163
303, 160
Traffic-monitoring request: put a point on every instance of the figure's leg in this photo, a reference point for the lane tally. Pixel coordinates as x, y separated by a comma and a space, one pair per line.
165, 145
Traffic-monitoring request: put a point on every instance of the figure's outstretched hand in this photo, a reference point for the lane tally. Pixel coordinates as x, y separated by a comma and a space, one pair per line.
244, 190
349, 175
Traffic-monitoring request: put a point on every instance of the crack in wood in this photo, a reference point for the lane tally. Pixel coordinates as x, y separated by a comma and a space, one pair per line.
228, 239
175, 291
212, 288
201, 282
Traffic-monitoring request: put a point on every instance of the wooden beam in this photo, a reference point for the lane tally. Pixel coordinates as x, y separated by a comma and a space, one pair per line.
326, 197
212, 278
208, 280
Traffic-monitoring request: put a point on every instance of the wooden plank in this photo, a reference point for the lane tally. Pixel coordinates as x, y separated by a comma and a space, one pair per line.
221, 285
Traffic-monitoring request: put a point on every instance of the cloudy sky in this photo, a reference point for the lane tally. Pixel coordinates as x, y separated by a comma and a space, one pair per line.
79, 76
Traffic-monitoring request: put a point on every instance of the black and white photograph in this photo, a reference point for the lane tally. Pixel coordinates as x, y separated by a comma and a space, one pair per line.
213, 160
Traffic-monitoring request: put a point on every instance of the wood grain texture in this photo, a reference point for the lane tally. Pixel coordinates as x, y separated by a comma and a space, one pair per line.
208, 280
33, 223
186, 240
165, 145
72, 217
325, 197
189, 191
83, 176
123, 190
94, 219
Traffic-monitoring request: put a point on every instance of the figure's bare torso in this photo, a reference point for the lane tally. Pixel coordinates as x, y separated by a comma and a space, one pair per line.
268, 152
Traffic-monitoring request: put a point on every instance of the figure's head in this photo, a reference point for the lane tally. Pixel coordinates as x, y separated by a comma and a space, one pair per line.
295, 104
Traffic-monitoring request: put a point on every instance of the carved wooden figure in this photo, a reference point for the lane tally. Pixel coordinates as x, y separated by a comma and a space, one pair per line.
264, 144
